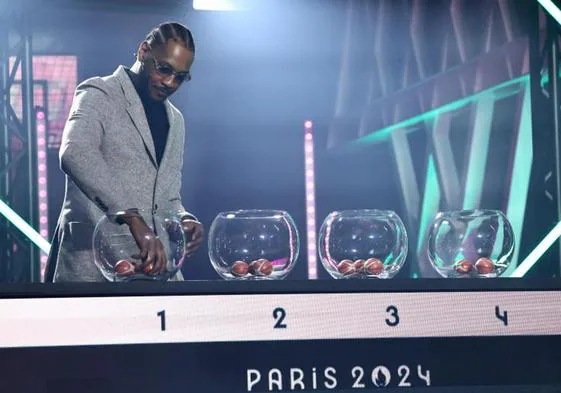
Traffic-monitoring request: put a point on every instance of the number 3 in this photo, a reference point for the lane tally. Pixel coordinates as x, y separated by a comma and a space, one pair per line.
394, 321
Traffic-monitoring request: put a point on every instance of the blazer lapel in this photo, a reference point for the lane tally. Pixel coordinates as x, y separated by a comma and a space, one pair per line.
172, 134
138, 117
136, 112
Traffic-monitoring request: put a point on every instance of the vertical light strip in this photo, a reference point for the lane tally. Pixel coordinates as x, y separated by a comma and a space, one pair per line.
310, 200
478, 150
406, 171
431, 202
444, 159
520, 176
41, 122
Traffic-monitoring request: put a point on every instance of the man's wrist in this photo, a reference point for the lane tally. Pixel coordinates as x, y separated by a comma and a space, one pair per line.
129, 216
186, 216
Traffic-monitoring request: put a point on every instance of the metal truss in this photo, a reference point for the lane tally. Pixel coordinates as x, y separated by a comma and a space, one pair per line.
414, 68
18, 144
420, 81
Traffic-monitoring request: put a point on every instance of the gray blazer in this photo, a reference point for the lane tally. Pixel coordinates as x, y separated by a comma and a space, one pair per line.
108, 157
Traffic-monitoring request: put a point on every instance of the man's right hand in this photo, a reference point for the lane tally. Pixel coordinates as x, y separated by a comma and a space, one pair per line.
152, 254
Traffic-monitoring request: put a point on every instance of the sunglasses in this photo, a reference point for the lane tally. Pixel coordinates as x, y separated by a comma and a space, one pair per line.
166, 71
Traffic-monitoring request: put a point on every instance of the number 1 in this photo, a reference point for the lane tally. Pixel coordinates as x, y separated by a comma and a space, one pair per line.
162, 315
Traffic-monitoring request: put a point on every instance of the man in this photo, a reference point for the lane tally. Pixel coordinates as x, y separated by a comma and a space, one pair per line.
122, 150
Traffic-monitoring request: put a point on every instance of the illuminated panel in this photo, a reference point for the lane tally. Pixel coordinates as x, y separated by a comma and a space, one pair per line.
61, 76
310, 200
87, 321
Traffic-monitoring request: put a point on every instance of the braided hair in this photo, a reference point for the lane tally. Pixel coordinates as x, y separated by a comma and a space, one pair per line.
161, 34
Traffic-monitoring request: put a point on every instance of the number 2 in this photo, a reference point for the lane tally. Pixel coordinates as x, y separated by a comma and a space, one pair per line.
403, 372
358, 373
279, 314
394, 321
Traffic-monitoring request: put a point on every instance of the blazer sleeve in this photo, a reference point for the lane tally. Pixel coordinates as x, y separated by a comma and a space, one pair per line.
80, 152
175, 200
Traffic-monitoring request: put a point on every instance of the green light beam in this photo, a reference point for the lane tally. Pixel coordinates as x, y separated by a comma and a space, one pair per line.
499, 91
537, 252
24, 227
431, 202
478, 150
552, 9
520, 176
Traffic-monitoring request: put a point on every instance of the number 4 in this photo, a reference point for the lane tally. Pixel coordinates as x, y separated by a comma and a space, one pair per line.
425, 377
503, 317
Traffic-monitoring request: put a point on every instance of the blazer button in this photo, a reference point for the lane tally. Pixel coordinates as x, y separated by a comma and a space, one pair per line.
156, 206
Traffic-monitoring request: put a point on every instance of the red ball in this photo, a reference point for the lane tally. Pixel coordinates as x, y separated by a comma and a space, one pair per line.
148, 268
484, 266
261, 267
266, 268
124, 268
463, 266
254, 266
373, 266
239, 268
359, 265
346, 267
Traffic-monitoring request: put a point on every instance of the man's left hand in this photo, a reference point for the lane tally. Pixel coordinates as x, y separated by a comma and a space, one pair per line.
195, 232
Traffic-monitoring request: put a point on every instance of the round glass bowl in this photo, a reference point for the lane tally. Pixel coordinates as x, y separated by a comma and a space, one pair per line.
253, 244
363, 244
116, 253
470, 243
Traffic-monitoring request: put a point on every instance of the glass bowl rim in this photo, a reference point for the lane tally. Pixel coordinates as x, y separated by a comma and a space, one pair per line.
470, 212
364, 212
247, 214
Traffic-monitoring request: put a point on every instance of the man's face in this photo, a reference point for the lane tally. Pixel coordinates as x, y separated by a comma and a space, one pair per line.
166, 67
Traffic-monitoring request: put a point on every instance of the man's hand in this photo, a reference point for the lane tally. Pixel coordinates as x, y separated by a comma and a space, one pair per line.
152, 254
194, 232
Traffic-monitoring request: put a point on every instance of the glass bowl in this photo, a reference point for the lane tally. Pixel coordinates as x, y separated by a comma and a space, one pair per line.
253, 244
116, 252
470, 243
365, 243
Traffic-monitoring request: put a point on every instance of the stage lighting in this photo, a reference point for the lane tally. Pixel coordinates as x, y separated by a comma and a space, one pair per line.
216, 5
552, 9
310, 199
